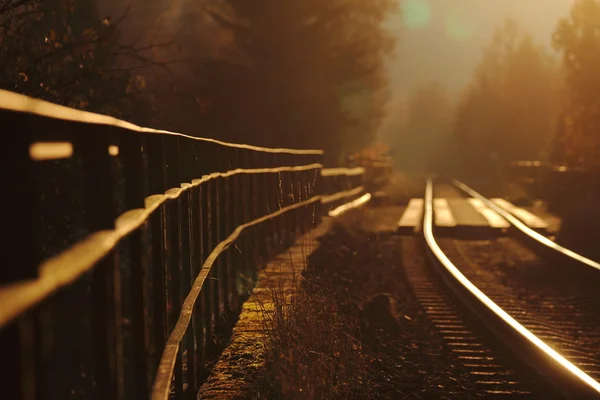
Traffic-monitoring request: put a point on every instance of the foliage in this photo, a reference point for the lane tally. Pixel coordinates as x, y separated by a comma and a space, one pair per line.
61, 51
310, 350
293, 75
577, 37
307, 74
377, 161
375, 152
507, 112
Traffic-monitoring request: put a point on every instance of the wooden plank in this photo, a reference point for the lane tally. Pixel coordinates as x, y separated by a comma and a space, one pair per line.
528, 218
411, 217
465, 215
443, 214
493, 218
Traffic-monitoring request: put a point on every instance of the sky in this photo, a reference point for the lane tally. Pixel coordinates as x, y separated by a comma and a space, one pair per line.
443, 39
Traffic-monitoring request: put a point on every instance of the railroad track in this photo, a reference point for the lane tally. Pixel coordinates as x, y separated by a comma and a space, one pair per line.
492, 375
538, 302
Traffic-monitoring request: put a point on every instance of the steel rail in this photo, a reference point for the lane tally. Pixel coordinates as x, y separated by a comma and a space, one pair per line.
568, 378
527, 230
66, 267
11, 101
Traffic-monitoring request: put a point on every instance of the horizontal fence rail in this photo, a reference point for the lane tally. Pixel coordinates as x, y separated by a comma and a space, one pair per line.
131, 249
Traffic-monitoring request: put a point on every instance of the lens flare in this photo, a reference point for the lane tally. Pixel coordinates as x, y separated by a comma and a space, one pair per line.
416, 13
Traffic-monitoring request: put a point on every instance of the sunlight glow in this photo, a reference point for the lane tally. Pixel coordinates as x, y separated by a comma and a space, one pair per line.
42, 151
456, 28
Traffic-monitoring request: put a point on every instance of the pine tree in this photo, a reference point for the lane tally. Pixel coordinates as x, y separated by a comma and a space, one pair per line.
578, 38
508, 111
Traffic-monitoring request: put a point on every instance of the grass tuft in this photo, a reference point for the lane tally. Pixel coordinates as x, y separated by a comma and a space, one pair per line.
311, 352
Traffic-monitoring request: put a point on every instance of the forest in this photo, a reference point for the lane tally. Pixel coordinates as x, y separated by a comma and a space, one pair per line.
524, 102
308, 76
273, 73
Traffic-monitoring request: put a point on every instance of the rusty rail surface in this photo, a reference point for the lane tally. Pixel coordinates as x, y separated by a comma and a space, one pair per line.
132, 249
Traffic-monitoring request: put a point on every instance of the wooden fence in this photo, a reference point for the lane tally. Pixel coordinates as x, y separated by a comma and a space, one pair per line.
130, 250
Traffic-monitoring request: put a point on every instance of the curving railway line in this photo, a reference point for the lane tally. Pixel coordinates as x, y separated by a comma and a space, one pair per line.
521, 312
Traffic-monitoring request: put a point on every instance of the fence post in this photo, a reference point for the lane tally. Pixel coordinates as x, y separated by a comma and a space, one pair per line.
174, 256
257, 211
93, 148
235, 209
247, 206
17, 171
197, 242
318, 189
154, 155
132, 156
217, 229
188, 251
208, 288
21, 216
